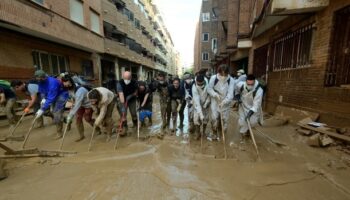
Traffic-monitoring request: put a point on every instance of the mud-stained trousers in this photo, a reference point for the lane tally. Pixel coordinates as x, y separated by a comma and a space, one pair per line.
174, 110
10, 112
58, 109
132, 109
165, 112
85, 113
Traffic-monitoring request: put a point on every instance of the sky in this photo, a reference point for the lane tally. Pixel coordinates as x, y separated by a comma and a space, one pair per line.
180, 18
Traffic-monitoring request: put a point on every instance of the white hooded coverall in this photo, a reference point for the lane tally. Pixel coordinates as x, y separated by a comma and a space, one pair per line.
249, 102
201, 102
221, 95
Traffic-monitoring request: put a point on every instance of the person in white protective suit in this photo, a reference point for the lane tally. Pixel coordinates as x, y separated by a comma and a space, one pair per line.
221, 90
249, 96
201, 101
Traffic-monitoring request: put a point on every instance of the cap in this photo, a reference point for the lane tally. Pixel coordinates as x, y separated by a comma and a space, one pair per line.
40, 73
241, 71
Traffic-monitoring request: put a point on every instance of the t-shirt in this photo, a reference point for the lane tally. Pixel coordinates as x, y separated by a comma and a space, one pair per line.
33, 89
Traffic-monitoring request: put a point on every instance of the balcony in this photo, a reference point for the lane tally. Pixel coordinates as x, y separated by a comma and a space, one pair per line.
122, 51
287, 7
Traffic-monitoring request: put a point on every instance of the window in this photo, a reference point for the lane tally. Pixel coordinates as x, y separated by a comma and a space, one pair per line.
51, 63
111, 32
292, 50
205, 17
129, 14
205, 56
87, 68
338, 68
137, 23
95, 21
76, 11
205, 37
214, 45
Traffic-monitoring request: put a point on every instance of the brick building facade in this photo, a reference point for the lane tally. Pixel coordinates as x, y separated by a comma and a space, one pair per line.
70, 35
307, 60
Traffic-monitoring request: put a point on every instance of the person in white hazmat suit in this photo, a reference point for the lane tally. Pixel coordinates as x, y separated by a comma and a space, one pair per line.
201, 102
249, 95
221, 90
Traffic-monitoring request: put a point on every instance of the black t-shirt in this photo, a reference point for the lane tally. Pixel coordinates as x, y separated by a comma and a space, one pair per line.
129, 89
141, 97
176, 94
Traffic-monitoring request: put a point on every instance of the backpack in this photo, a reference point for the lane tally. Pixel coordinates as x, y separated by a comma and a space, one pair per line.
217, 80
255, 91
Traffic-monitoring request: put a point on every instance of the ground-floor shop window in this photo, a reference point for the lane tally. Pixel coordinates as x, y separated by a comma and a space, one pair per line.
52, 64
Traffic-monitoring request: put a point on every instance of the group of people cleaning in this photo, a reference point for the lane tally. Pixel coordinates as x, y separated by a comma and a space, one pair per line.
208, 99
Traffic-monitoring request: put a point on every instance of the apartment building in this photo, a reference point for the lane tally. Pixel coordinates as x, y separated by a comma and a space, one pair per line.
55, 36
303, 49
136, 40
206, 40
89, 37
221, 35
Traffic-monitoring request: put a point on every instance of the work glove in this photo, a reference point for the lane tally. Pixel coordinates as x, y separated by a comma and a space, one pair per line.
188, 98
140, 108
39, 113
42, 102
97, 123
216, 96
238, 98
26, 110
224, 103
250, 113
69, 119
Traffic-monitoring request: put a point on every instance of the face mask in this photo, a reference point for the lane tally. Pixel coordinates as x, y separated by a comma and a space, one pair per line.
250, 87
161, 82
127, 82
188, 81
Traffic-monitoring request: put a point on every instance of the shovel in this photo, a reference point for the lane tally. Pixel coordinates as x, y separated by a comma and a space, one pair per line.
253, 138
64, 135
20, 121
120, 128
28, 133
223, 134
92, 136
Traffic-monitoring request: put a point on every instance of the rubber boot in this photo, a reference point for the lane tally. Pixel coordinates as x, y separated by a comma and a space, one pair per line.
181, 126
192, 128
204, 128
150, 122
134, 123
80, 128
59, 128
197, 135
164, 124
39, 122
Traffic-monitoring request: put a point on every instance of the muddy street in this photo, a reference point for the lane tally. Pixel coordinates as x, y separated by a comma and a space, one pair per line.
173, 169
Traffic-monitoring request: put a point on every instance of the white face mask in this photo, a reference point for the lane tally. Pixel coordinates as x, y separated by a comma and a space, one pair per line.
250, 87
161, 82
221, 78
188, 81
127, 82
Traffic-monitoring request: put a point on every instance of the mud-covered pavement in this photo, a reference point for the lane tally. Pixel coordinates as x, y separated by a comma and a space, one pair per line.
172, 169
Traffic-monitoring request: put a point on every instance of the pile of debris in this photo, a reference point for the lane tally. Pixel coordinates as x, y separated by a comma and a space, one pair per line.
322, 135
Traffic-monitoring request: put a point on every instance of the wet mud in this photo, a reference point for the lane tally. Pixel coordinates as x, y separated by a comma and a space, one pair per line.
175, 167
